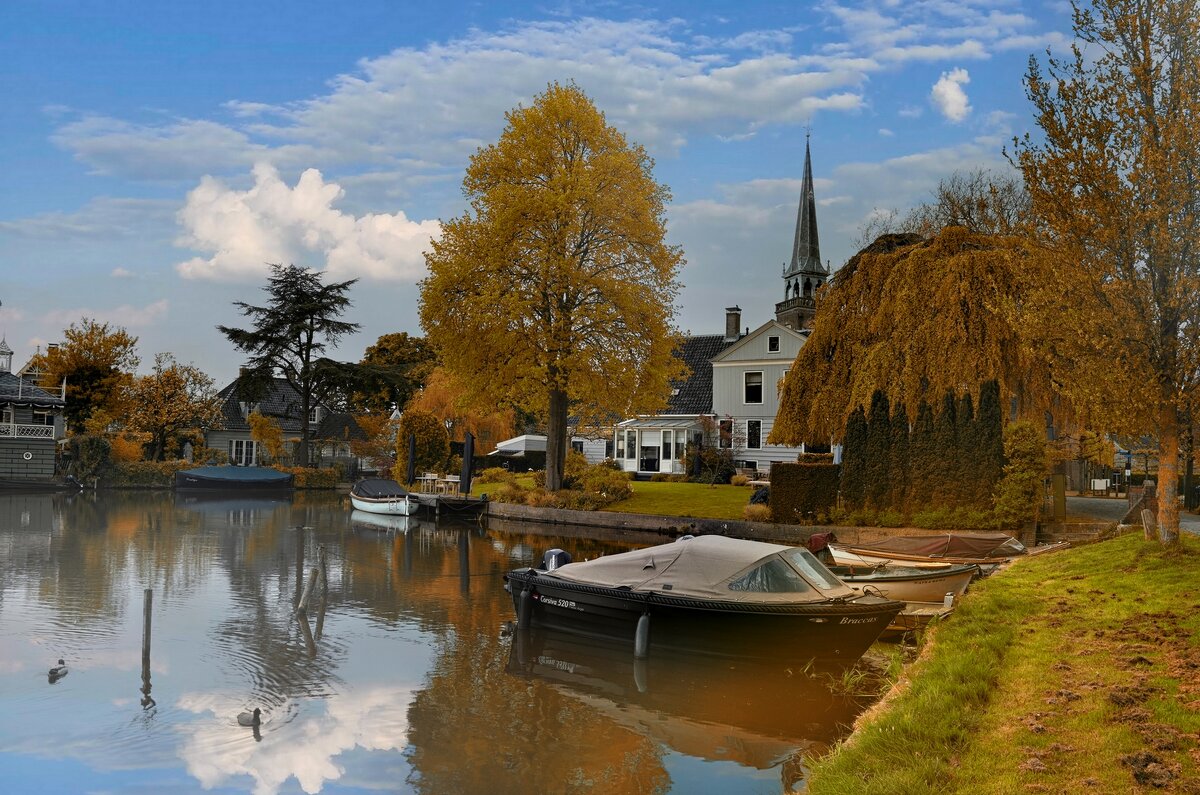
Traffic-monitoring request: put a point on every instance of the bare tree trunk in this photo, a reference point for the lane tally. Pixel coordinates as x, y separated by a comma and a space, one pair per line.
1168, 477
556, 439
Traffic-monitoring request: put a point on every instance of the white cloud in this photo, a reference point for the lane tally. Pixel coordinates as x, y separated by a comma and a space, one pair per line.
121, 273
271, 222
126, 315
948, 96
885, 132
101, 218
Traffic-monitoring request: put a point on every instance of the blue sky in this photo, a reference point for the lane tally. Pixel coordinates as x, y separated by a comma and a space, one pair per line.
157, 155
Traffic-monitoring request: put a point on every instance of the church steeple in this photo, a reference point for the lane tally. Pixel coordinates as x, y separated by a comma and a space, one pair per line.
804, 274
6, 354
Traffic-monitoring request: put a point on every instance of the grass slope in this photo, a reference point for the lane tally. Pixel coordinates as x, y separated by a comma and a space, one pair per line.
697, 500
1078, 671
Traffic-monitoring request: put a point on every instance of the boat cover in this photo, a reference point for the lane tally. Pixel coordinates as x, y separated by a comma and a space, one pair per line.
243, 476
378, 489
714, 567
949, 545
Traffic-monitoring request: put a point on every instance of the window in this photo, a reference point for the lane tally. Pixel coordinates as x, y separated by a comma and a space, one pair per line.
314, 415
774, 576
726, 434
753, 390
243, 452
773, 344
620, 444
6, 415
631, 445
754, 434
577, 447
812, 568
668, 445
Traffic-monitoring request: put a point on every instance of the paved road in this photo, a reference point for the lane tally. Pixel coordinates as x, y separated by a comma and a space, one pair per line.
1111, 509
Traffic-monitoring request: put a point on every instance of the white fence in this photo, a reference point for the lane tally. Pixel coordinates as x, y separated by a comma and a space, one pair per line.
13, 431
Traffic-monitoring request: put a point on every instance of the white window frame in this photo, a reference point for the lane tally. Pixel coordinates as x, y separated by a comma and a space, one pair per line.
667, 451
725, 429
773, 344
237, 452
7, 416
749, 436
631, 444
746, 386
314, 415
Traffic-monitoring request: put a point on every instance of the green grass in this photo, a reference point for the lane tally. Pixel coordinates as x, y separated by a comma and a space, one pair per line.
696, 500
1027, 686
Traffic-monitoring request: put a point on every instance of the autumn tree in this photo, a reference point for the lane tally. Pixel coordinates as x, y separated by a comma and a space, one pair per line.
267, 433
556, 290
914, 318
97, 361
445, 397
432, 443
899, 458
1115, 194
173, 400
290, 334
854, 459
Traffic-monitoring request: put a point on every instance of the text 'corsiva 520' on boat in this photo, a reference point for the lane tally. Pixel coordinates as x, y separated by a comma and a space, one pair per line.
708, 595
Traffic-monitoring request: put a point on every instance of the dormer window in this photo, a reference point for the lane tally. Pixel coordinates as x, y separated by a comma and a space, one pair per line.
248, 408
773, 344
314, 415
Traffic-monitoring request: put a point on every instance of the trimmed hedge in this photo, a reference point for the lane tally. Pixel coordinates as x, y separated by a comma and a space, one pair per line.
146, 474
801, 492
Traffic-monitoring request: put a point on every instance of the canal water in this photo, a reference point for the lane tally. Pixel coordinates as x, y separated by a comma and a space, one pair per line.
403, 676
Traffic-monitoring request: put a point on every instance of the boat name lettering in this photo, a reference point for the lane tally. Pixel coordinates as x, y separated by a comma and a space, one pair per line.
857, 621
567, 603
561, 665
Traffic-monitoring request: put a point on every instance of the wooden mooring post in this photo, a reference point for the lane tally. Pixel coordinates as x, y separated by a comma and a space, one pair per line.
308, 589
147, 605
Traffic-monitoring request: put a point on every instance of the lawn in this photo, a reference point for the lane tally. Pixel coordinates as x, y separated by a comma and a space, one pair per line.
1069, 672
696, 500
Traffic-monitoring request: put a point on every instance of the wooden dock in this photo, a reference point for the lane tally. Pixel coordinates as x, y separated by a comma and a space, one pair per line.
450, 504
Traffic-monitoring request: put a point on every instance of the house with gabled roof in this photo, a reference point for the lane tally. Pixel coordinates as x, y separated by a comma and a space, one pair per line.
330, 432
31, 423
734, 379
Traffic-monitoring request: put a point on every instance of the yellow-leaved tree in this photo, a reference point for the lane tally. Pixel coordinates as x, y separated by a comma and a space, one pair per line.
915, 318
445, 397
555, 291
173, 400
97, 362
1116, 197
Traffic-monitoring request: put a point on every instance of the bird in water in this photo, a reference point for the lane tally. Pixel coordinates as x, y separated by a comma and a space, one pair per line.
57, 672
250, 718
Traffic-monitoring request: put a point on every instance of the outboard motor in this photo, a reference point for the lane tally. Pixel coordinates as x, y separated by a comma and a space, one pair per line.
554, 558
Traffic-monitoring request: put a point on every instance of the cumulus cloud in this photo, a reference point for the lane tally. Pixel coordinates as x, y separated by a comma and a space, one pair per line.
948, 96
244, 230
121, 273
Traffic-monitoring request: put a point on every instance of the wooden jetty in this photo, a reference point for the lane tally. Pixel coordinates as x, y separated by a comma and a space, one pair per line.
450, 504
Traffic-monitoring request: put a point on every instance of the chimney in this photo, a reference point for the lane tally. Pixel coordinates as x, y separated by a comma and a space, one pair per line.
733, 321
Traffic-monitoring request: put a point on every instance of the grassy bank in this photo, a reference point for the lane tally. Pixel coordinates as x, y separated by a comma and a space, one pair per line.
1077, 671
697, 500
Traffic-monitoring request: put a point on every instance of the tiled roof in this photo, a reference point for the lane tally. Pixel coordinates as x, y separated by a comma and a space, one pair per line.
281, 402
694, 395
14, 389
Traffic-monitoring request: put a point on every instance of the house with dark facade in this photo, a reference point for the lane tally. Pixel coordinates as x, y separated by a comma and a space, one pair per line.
330, 432
31, 423
731, 396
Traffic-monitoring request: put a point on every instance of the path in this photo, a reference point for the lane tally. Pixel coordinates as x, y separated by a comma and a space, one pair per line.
1111, 509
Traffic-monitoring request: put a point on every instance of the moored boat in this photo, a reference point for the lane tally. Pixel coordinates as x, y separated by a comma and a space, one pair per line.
382, 496
707, 595
232, 478
986, 550
909, 583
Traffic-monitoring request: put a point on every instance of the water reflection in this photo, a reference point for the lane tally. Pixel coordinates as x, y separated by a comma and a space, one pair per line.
398, 677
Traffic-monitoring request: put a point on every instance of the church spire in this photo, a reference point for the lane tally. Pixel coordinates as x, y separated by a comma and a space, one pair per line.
806, 248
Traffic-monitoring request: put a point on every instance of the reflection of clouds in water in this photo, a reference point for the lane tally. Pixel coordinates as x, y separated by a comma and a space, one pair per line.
216, 750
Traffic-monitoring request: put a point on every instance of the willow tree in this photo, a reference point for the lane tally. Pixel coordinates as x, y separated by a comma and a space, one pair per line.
916, 319
555, 291
1114, 185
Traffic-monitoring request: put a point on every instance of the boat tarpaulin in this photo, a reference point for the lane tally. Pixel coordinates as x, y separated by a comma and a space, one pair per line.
240, 475
710, 567
949, 545
378, 488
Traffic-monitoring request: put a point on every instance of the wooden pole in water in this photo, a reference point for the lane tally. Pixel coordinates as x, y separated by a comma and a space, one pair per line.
324, 570
308, 589
147, 603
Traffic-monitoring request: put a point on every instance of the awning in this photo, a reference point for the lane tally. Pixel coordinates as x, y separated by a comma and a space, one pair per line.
664, 423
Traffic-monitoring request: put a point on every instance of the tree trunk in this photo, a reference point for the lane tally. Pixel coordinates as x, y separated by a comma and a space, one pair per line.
1168, 477
556, 439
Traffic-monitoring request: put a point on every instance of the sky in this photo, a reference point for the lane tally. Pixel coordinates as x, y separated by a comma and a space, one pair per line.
157, 156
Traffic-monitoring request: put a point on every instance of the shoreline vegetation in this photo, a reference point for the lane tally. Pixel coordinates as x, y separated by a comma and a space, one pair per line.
1077, 671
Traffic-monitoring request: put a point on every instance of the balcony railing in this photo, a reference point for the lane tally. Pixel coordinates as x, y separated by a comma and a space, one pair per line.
791, 303
12, 431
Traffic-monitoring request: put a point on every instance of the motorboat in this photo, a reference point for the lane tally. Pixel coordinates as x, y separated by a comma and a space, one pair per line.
382, 496
233, 478
986, 550
709, 595
909, 583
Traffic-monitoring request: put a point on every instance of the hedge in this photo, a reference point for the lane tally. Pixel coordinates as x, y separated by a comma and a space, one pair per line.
801, 491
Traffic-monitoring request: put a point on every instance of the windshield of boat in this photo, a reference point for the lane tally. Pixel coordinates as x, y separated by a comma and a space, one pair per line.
773, 576
814, 570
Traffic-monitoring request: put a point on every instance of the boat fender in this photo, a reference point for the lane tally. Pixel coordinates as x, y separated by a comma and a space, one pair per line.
641, 677
554, 558
641, 639
525, 607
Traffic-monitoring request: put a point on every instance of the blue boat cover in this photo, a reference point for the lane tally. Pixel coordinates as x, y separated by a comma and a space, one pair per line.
241, 475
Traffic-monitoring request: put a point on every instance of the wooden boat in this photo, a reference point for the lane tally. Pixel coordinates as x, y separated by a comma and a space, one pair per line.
986, 550
916, 616
382, 522
708, 595
909, 583
383, 496
231, 478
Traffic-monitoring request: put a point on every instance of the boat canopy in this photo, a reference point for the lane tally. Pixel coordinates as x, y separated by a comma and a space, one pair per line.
949, 545
241, 475
378, 488
714, 567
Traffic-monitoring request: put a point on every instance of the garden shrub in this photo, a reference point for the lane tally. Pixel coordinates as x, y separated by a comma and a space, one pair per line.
716, 464
739, 480
146, 474
891, 518
756, 513
309, 478
800, 491
495, 475
91, 456
433, 443
607, 484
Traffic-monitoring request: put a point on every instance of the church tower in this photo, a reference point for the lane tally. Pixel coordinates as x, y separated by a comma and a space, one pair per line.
805, 274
